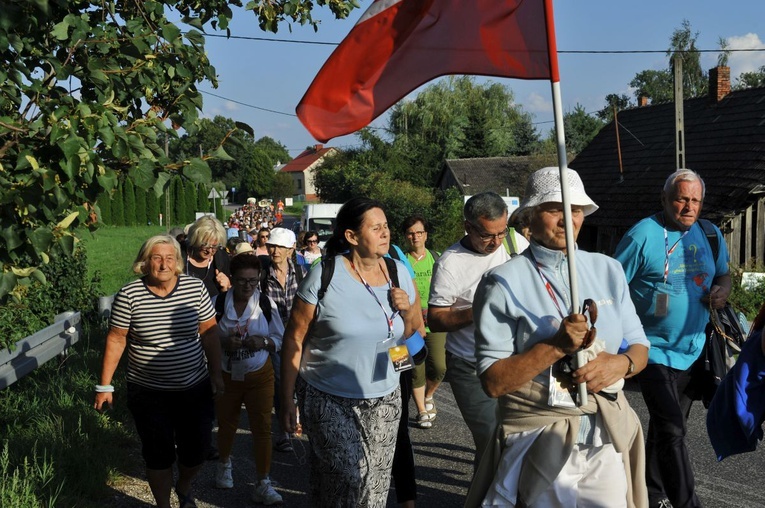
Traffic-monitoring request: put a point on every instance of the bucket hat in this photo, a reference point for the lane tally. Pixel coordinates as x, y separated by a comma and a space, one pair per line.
543, 186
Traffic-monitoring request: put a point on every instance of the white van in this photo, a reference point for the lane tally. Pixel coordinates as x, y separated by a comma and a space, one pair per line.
320, 217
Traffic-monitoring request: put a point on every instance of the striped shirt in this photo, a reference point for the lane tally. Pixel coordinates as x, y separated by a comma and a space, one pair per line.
164, 348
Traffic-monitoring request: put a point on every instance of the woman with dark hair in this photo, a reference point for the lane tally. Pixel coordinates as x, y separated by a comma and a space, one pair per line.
428, 375
249, 334
311, 250
167, 323
348, 390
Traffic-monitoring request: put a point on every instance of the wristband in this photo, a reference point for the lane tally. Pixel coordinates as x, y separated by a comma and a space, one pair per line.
415, 343
104, 388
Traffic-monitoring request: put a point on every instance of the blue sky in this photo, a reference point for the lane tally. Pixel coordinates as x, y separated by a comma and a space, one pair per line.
274, 75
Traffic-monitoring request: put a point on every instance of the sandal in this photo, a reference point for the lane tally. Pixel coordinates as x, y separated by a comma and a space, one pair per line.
185, 501
430, 407
424, 420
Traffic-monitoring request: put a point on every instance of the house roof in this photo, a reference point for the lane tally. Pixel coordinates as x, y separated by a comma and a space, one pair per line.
307, 159
503, 175
724, 143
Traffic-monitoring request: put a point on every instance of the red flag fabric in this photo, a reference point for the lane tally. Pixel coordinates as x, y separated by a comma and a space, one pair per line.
398, 45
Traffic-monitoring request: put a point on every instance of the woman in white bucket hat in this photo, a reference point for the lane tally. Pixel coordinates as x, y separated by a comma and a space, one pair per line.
549, 450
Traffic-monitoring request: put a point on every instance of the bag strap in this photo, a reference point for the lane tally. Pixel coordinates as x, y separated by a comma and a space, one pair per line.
711, 234
327, 270
435, 254
264, 302
392, 271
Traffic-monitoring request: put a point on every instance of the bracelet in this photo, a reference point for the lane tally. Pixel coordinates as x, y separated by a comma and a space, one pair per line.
104, 388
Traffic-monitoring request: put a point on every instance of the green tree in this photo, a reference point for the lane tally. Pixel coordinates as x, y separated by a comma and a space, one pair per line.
105, 207
118, 206
152, 208
86, 90
258, 176
128, 198
203, 204
752, 79
579, 127
275, 151
656, 85
178, 202
140, 207
190, 194
282, 185
618, 101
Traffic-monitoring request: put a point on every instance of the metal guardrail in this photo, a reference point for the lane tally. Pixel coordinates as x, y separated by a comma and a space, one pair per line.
33, 351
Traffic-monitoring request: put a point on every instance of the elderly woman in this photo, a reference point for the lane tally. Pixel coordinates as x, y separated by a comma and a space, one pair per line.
552, 451
251, 330
205, 255
167, 322
348, 390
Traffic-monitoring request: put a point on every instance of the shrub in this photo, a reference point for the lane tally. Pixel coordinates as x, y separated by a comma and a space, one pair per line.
746, 300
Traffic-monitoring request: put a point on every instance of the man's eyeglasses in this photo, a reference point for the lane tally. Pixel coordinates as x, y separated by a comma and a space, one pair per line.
209, 248
487, 237
247, 282
415, 233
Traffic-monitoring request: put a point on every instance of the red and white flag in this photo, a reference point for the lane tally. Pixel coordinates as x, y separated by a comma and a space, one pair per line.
398, 45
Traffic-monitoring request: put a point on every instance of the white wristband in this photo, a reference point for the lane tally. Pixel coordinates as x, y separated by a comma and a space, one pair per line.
104, 388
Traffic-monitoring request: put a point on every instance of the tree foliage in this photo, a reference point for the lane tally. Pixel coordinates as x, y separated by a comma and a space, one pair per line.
618, 101
579, 127
86, 91
752, 79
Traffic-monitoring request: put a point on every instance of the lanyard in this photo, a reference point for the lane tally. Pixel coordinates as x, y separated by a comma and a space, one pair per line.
547, 284
371, 292
242, 331
669, 251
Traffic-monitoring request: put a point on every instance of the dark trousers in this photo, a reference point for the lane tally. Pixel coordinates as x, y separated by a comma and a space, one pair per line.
403, 459
668, 466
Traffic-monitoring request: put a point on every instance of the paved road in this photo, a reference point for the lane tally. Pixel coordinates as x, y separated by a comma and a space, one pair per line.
444, 454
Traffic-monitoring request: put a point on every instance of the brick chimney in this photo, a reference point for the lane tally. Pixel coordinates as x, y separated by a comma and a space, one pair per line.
642, 101
317, 148
719, 83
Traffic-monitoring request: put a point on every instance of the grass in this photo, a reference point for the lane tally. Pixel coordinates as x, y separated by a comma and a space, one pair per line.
112, 250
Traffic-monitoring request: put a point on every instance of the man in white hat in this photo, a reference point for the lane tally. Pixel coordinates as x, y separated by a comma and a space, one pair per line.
674, 279
282, 282
553, 452
455, 277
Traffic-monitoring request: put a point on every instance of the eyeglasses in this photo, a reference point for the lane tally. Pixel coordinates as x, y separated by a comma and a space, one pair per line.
312, 241
415, 233
247, 282
209, 248
487, 237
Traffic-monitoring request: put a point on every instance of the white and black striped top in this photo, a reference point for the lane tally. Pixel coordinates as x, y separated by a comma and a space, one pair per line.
164, 348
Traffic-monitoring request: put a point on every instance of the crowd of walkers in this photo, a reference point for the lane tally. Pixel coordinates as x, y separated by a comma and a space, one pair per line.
333, 343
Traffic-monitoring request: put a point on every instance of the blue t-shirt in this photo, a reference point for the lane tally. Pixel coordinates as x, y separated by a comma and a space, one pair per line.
677, 337
341, 349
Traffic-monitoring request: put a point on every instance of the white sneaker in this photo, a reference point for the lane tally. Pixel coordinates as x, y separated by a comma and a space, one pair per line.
223, 479
265, 493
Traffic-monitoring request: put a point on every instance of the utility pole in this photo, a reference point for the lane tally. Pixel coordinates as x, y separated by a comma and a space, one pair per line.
167, 190
679, 121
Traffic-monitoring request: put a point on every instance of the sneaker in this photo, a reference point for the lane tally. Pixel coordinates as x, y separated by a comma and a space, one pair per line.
223, 478
265, 493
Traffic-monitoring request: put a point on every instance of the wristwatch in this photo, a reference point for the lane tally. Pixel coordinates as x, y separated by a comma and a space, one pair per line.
265, 346
631, 368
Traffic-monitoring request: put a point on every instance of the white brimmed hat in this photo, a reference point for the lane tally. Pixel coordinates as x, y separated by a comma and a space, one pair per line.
243, 248
543, 186
281, 237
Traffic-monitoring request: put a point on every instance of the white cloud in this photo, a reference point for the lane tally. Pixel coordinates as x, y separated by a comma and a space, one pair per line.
536, 103
745, 61
231, 106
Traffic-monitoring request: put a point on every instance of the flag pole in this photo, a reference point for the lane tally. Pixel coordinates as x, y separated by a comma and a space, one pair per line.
560, 141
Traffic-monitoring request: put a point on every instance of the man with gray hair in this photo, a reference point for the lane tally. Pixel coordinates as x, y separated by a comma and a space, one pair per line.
455, 277
674, 279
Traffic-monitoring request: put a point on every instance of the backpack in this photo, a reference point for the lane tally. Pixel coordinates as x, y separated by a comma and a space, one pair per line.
724, 338
264, 302
328, 269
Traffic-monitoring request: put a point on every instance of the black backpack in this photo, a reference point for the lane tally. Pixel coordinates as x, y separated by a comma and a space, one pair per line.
264, 302
328, 269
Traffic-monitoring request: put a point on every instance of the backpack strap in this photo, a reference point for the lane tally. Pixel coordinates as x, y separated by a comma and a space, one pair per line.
392, 271
220, 306
264, 302
327, 270
512, 246
435, 254
265, 306
709, 231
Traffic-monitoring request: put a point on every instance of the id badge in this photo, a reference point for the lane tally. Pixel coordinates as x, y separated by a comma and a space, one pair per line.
382, 358
661, 301
237, 370
560, 389
399, 356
